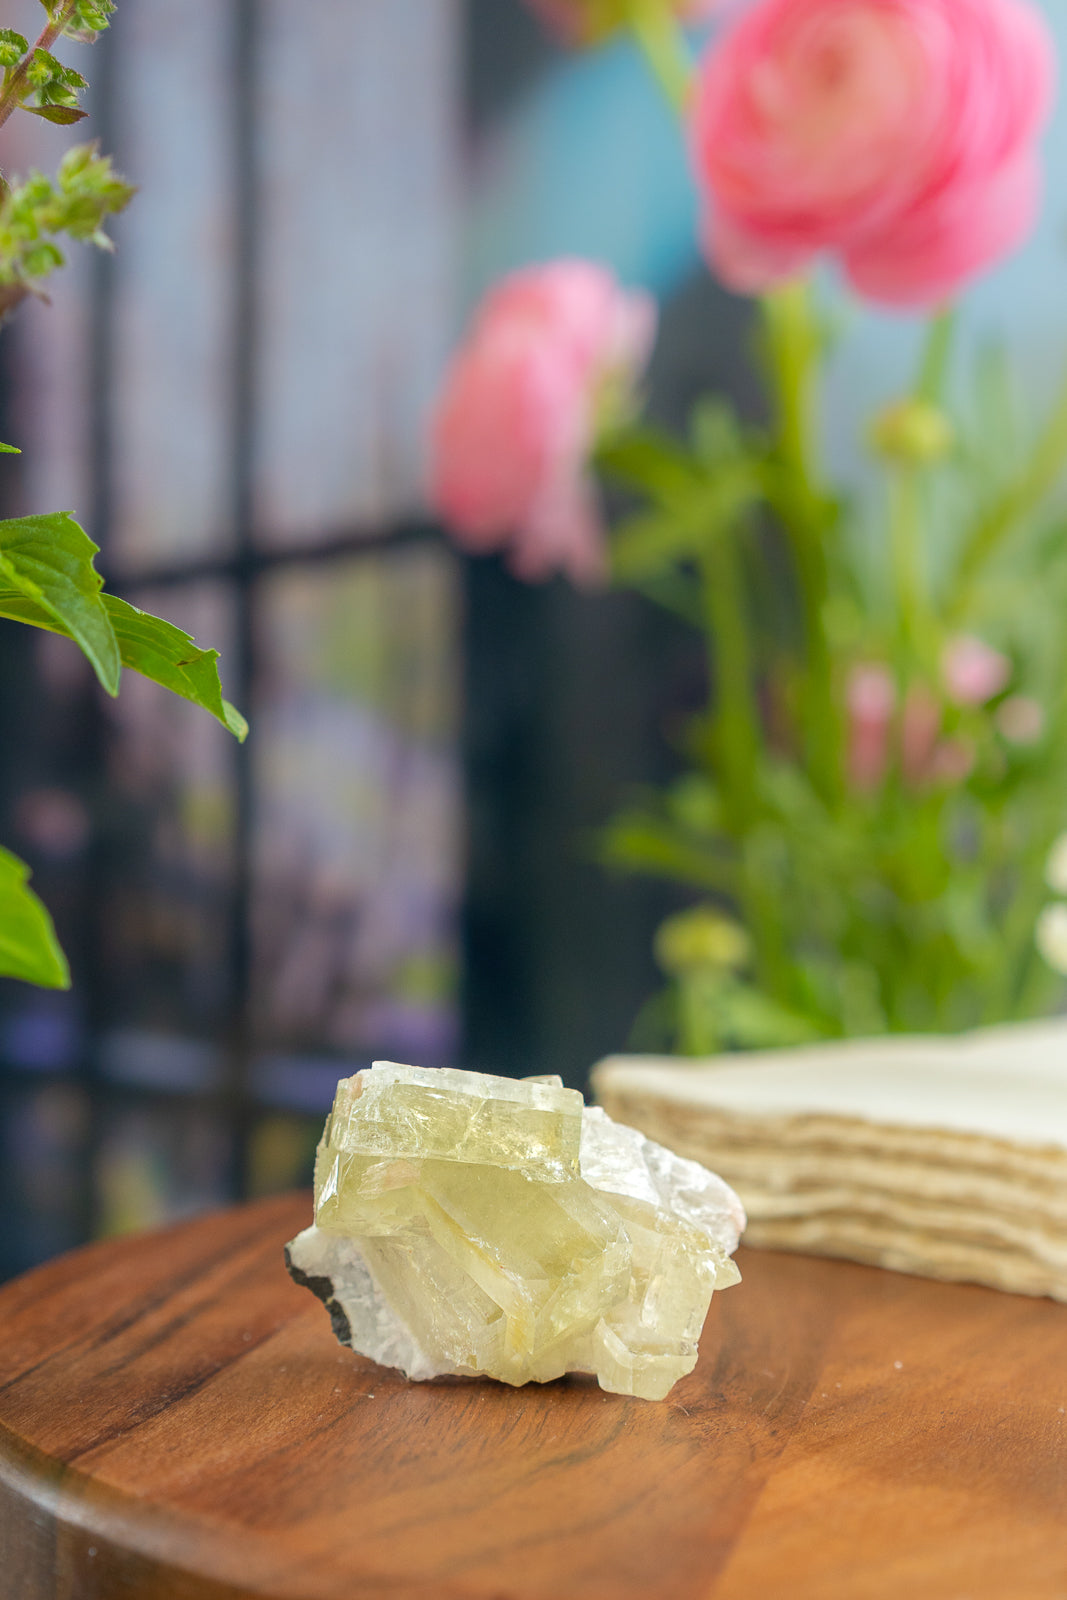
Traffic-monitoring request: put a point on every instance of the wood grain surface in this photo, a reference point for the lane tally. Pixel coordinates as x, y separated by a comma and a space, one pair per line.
177, 1421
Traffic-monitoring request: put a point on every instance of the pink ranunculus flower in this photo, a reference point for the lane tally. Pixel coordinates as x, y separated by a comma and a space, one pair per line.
973, 671
589, 21
899, 135
552, 352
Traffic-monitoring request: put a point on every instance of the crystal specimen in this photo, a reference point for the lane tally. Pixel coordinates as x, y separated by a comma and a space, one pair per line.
468, 1224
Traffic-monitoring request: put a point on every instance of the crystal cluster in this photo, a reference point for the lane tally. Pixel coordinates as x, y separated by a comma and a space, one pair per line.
471, 1224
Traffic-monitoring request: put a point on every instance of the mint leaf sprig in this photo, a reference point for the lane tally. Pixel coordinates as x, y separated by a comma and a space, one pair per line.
33, 78
84, 193
84, 19
86, 190
56, 87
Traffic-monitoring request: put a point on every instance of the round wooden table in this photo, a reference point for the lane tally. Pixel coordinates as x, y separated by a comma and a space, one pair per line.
177, 1420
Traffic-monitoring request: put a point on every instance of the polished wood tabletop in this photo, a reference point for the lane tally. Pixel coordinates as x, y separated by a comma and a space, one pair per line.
176, 1420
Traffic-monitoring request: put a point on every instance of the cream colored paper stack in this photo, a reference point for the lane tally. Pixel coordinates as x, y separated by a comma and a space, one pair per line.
945, 1157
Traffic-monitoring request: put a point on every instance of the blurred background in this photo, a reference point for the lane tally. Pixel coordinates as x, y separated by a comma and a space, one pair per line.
400, 861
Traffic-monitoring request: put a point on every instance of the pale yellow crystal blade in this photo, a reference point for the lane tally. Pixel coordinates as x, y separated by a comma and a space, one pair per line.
445, 1115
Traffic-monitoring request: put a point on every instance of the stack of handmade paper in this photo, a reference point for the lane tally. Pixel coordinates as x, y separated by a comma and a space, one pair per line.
946, 1157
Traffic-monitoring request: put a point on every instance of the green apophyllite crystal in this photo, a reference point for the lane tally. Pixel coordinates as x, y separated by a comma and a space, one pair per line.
471, 1224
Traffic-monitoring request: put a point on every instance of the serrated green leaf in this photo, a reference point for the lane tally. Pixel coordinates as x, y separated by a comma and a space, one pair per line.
29, 948
162, 652
61, 115
48, 560
151, 646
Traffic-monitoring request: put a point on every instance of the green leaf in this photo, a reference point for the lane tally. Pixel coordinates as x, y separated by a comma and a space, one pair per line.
651, 542
88, 18
151, 646
753, 1020
644, 458
636, 841
645, 546
84, 193
13, 47
48, 560
63, 115
55, 84
162, 652
28, 945
10, 450
714, 431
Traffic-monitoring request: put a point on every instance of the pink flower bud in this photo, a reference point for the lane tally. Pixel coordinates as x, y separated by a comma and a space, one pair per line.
919, 733
549, 349
870, 701
952, 761
1020, 719
899, 135
973, 671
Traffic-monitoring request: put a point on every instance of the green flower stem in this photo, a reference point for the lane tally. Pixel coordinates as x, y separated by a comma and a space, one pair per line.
1024, 496
917, 627
664, 47
937, 351
792, 348
915, 619
735, 720
736, 744
16, 84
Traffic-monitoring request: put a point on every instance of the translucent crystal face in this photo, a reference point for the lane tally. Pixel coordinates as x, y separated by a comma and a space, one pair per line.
474, 1224
458, 1116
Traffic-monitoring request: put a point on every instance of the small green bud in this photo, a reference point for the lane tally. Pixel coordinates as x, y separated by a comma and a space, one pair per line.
86, 192
12, 47
42, 259
62, 86
75, 162
41, 69
912, 433
89, 18
701, 938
